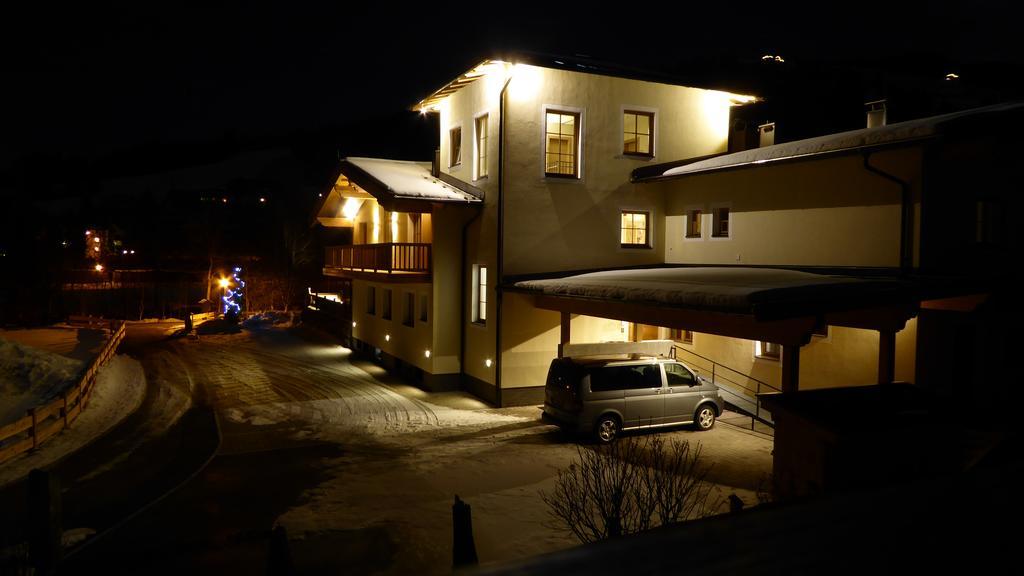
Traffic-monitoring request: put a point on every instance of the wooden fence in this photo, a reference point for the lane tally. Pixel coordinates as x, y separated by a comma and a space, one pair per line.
43, 422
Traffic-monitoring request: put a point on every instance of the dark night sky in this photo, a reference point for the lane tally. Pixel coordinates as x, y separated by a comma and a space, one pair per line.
88, 83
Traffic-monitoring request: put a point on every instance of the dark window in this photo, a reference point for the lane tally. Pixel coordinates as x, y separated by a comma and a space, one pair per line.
693, 218
385, 305
684, 336
768, 350
424, 306
371, 300
987, 229
455, 150
638, 133
409, 313
607, 378
561, 144
721, 229
678, 375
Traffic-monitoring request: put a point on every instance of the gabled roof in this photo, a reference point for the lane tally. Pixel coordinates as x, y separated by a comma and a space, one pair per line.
853, 141
569, 63
402, 184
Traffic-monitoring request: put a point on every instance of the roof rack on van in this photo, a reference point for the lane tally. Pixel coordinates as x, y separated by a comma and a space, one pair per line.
663, 348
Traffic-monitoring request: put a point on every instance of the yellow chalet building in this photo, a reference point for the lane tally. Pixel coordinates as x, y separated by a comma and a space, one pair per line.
573, 202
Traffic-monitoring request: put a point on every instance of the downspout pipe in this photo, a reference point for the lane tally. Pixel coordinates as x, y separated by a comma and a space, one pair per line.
906, 215
501, 237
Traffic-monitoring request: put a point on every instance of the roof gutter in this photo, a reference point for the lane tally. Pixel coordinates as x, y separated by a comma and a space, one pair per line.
501, 236
906, 215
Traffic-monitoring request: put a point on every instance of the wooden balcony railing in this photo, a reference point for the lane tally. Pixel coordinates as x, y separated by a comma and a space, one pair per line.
390, 258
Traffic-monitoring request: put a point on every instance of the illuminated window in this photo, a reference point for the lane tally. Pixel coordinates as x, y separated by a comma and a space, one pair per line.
385, 304
455, 150
561, 144
638, 133
479, 294
481, 147
693, 218
683, 336
371, 300
767, 350
409, 311
721, 228
635, 230
424, 306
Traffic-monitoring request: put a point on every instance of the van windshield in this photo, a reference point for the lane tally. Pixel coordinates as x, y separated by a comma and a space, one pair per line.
605, 378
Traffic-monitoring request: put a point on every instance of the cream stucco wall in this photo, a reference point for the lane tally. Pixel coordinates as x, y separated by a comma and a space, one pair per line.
407, 343
530, 338
846, 357
555, 224
829, 212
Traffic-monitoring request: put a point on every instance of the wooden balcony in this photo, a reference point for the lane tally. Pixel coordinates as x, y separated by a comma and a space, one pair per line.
396, 261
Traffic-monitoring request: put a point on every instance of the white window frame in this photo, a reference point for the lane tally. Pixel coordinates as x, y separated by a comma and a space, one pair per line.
475, 316
650, 229
581, 142
704, 217
714, 216
622, 131
476, 146
462, 146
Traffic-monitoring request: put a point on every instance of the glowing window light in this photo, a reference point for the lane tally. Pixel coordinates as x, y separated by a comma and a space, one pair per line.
95, 248
263, 199
351, 208
87, 232
952, 76
96, 239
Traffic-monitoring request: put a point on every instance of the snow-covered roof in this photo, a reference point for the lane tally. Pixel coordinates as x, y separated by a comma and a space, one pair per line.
891, 134
720, 289
403, 180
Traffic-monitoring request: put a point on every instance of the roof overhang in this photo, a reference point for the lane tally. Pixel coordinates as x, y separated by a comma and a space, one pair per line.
862, 141
398, 185
776, 305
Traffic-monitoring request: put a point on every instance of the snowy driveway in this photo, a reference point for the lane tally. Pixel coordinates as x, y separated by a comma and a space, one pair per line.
359, 468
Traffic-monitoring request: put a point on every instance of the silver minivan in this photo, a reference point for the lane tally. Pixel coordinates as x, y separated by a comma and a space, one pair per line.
606, 396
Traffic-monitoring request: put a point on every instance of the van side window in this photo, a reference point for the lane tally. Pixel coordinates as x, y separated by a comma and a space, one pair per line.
678, 376
607, 378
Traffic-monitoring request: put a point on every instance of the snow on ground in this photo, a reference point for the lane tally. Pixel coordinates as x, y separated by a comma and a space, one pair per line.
30, 377
275, 318
72, 342
120, 388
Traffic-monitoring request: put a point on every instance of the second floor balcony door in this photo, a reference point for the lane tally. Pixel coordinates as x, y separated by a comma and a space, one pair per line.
417, 228
363, 237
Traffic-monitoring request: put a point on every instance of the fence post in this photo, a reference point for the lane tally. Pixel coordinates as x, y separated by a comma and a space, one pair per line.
44, 517
463, 547
35, 425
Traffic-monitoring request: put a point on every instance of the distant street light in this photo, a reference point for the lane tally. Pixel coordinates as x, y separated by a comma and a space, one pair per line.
99, 267
224, 283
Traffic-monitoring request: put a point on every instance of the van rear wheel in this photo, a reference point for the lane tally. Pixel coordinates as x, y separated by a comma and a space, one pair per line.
705, 418
607, 429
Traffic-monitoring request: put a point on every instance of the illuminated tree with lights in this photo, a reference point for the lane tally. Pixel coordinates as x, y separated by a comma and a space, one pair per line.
233, 295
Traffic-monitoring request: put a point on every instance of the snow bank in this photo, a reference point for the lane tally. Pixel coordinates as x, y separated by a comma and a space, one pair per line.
30, 377
119, 390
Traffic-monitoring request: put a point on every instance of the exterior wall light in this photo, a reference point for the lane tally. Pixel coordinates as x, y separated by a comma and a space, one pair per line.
353, 323
488, 362
426, 353
387, 337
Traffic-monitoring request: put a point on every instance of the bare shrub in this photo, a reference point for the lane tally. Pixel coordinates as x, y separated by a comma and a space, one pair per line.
630, 486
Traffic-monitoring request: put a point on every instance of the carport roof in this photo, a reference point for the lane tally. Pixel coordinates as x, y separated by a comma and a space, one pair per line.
771, 304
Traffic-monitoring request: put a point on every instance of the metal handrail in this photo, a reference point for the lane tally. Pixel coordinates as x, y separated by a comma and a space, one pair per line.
716, 377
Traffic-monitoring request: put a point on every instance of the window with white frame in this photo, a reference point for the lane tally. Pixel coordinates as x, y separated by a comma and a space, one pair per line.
638, 133
562, 143
693, 218
455, 146
635, 229
481, 146
720, 229
767, 350
479, 294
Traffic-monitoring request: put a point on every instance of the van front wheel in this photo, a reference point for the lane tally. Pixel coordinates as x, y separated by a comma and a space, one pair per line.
607, 429
705, 418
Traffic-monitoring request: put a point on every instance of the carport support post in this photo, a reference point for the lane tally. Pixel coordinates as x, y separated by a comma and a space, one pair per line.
566, 325
886, 356
790, 368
